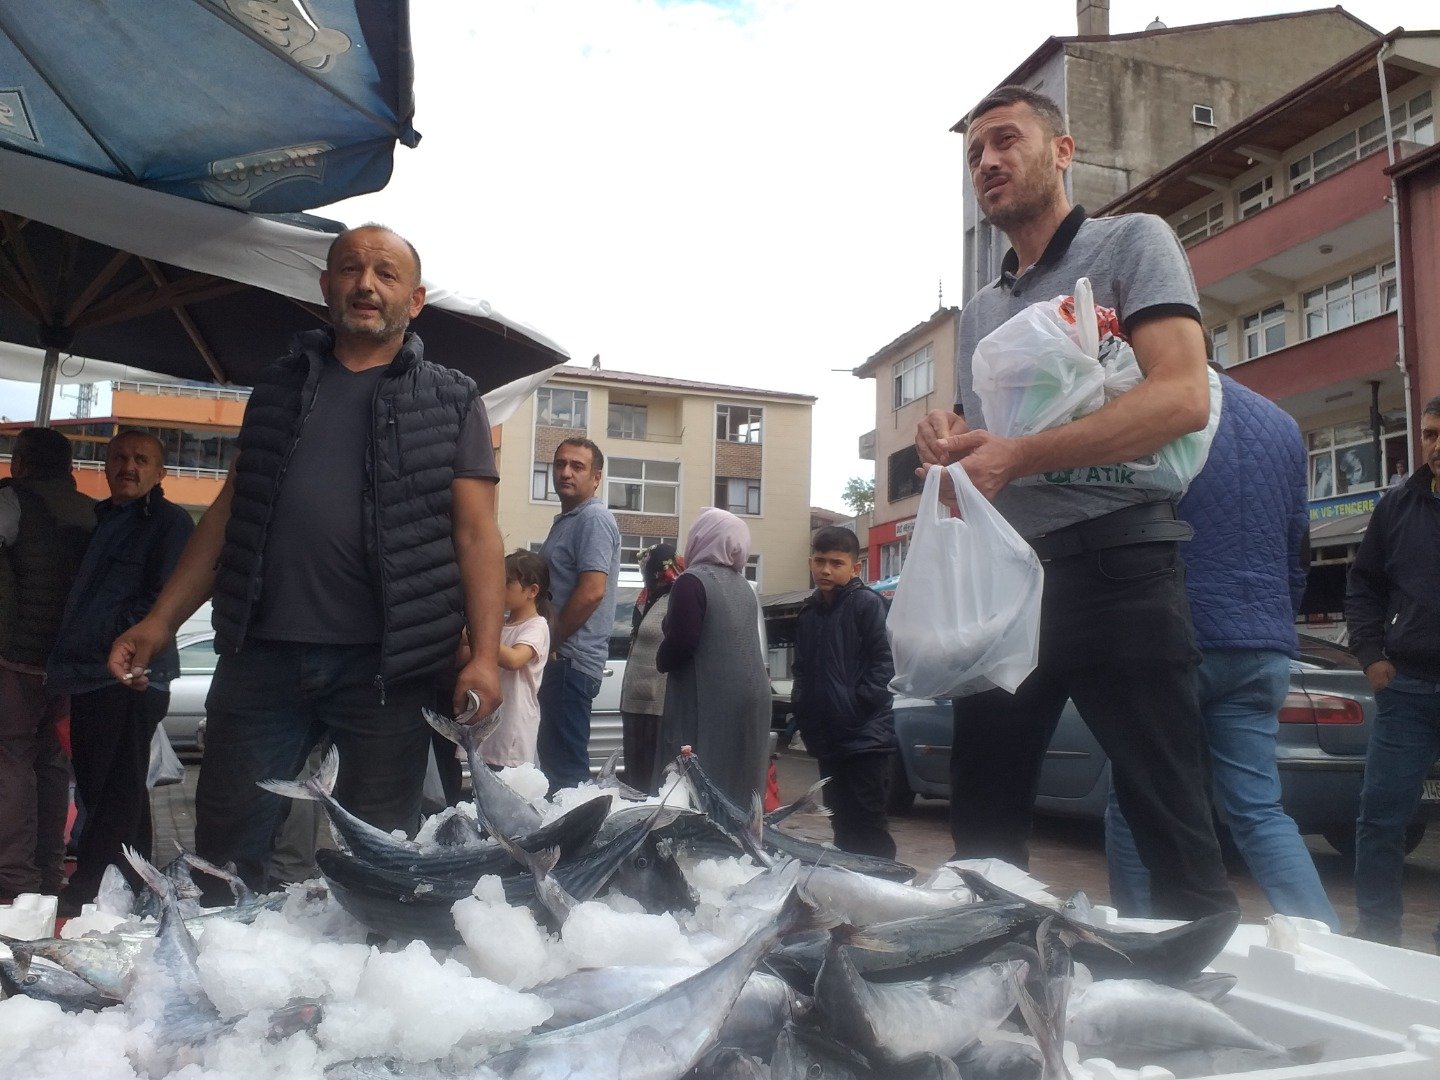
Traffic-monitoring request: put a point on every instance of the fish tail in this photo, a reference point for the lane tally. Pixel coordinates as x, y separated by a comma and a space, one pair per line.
226, 874
157, 882
1308, 1053
802, 912
1048, 1030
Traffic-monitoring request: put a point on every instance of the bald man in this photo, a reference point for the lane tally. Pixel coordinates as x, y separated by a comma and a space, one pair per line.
138, 537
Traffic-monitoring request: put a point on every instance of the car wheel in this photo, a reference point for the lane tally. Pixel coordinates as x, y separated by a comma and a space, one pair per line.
1343, 840
900, 799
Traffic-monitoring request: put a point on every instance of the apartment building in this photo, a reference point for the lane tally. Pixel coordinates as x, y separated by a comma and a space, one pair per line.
1311, 227
672, 446
1136, 102
197, 423
913, 374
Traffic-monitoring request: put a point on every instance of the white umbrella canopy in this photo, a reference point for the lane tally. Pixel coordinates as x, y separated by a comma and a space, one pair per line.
138, 278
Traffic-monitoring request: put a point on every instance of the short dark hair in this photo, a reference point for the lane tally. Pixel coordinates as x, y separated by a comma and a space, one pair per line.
330, 251
1042, 106
1432, 407
597, 456
835, 538
43, 451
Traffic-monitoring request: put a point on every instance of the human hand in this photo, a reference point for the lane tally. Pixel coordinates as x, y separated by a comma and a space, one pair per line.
1379, 674
484, 679
991, 461
934, 427
130, 655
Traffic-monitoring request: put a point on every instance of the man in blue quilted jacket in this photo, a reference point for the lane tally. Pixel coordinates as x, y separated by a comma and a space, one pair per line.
1245, 576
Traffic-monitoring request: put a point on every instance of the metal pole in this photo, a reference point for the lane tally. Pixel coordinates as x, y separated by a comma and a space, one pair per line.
47, 386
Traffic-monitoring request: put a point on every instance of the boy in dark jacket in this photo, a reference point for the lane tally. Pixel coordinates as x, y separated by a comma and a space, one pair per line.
841, 695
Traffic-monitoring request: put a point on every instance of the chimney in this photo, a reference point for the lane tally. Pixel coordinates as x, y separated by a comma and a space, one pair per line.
1093, 17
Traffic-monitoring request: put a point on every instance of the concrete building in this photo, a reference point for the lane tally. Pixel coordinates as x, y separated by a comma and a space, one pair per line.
672, 446
1136, 102
1318, 267
913, 374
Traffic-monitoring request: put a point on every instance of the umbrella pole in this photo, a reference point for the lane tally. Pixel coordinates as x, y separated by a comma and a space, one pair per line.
47, 386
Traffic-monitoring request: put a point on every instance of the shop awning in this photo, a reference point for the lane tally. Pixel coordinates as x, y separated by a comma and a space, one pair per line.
1339, 531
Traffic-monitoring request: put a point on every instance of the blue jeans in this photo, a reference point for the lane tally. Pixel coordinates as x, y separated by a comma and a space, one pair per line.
269, 704
1241, 691
1404, 744
563, 742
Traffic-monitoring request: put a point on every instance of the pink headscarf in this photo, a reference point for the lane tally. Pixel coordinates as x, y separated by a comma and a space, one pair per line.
718, 537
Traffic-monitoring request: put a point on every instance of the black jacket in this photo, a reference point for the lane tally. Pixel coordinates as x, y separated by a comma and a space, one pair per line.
1392, 603
842, 670
417, 414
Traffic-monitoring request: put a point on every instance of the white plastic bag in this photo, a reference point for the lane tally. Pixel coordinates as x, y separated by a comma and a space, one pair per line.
966, 613
1061, 359
165, 766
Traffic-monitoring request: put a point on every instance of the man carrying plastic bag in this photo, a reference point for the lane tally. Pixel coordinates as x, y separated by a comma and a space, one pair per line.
1115, 632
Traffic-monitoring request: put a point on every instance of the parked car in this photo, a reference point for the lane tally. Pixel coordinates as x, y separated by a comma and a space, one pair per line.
1324, 727
186, 715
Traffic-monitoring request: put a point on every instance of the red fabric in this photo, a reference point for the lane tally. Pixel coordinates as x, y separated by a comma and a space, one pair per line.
772, 788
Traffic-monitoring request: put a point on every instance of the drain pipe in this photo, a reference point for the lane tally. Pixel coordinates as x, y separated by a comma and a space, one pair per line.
1389, 47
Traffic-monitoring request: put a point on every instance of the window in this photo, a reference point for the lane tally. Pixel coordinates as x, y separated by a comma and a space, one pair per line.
737, 423
900, 471
1264, 331
737, 495
892, 557
752, 569
1198, 226
633, 544
1203, 115
542, 487
557, 407
1362, 295
626, 422
1342, 458
1220, 345
198, 657
914, 376
1253, 199
642, 487
1413, 120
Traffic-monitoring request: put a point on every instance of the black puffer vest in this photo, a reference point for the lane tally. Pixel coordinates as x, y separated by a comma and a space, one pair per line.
37, 571
418, 410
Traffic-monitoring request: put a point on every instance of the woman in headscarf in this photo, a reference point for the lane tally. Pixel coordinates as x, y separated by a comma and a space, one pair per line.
717, 698
642, 693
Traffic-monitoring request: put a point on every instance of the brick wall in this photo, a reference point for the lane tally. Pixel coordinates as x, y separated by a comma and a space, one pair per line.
548, 438
647, 524
740, 460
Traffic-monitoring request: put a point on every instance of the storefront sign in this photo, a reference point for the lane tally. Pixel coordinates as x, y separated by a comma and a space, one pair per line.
1344, 506
904, 528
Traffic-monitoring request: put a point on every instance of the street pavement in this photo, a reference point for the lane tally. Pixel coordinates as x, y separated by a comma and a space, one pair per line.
1068, 855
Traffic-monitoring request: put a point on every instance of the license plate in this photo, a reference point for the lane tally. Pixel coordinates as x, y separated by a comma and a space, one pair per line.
1431, 792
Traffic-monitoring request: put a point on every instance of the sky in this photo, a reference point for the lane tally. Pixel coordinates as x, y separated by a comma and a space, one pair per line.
761, 194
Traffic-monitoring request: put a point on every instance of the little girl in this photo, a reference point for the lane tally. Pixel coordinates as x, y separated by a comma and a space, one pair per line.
524, 648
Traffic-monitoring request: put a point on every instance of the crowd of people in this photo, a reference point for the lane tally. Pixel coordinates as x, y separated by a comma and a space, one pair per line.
356, 576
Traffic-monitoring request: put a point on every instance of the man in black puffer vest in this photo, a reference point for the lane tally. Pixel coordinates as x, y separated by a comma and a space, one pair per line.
44, 527
354, 539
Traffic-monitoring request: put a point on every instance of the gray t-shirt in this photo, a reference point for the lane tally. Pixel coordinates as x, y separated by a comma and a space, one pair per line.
582, 540
318, 585
1136, 266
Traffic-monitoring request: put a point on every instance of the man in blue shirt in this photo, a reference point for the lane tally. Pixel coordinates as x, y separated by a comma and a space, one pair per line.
583, 552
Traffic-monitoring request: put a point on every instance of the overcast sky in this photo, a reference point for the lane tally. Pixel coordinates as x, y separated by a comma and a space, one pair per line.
746, 193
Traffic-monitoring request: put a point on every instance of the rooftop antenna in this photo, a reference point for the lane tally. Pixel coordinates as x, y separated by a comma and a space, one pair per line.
941, 291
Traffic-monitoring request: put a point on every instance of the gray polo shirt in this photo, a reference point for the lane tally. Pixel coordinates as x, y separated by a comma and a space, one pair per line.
1136, 266
582, 540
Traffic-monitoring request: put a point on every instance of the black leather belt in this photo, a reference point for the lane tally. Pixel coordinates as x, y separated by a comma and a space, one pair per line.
1146, 523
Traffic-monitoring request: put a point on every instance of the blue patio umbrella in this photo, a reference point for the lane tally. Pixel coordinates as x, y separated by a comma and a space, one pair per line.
273, 106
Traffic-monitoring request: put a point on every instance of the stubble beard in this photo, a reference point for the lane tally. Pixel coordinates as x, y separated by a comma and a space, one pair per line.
1034, 193
393, 324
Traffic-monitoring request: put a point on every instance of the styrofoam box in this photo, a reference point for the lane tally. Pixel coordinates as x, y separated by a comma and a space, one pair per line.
31, 916
1390, 1032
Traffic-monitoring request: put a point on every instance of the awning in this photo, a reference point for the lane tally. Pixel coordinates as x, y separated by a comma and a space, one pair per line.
1340, 531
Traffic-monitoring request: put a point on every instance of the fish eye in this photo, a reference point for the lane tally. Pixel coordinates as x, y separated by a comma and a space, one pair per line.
31, 980
641, 862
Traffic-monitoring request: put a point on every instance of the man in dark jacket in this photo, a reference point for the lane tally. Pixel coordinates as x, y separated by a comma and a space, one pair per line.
841, 694
44, 527
137, 542
1392, 607
354, 539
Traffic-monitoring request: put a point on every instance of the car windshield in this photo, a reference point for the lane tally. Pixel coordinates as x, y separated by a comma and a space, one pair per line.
620, 631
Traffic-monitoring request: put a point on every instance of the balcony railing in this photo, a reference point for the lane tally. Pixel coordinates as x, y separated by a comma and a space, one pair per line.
162, 389
649, 436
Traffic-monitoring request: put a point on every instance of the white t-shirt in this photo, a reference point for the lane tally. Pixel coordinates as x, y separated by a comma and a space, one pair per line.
513, 741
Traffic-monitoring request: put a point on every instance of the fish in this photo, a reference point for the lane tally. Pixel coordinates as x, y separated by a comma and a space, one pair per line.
1000, 1059
736, 822
860, 899
609, 781
1044, 999
809, 803
457, 830
114, 896
893, 1023
406, 906
1168, 956
663, 1037
46, 982
807, 1055
496, 802
730, 1063
928, 1067
1130, 1020
1224, 1060
653, 879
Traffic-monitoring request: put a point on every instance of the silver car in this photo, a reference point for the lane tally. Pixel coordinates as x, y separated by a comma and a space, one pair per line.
186, 714
1320, 752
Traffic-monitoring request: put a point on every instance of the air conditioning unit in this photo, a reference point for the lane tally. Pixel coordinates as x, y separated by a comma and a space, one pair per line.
1203, 115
